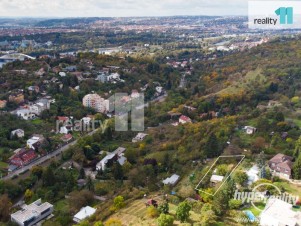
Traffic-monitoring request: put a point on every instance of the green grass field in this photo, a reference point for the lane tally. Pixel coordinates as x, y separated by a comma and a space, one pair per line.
136, 214
251, 79
290, 188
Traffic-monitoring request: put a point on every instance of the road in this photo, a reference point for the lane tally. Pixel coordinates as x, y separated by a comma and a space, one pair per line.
43, 158
64, 148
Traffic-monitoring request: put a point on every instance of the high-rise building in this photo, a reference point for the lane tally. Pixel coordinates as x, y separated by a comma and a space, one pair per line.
96, 102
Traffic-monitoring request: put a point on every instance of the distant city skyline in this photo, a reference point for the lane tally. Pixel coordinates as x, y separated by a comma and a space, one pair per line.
120, 8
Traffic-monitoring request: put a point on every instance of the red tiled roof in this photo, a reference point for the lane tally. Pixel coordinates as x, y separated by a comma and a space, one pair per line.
67, 137
62, 118
23, 157
185, 118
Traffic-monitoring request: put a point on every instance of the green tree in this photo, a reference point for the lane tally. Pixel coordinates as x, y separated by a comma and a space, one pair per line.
222, 169
90, 184
152, 212
28, 195
5, 207
212, 148
208, 215
119, 202
165, 220
208, 218
113, 222
297, 150
164, 208
234, 203
205, 196
82, 174
221, 199
48, 177
37, 171
240, 177
182, 212
297, 168
261, 164
117, 171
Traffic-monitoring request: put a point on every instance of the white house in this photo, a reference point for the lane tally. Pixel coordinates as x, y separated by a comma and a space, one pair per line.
84, 213
64, 130
216, 178
159, 89
34, 140
171, 180
139, 137
25, 114
86, 120
249, 129
253, 174
62, 74
39, 106
279, 213
18, 132
117, 155
33, 213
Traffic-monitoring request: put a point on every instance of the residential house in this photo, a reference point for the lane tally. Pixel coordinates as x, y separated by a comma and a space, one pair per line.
86, 120
71, 68
159, 89
139, 137
16, 97
184, 119
84, 213
3, 103
66, 129
117, 155
34, 89
171, 180
190, 108
249, 129
253, 174
135, 94
18, 133
56, 69
39, 106
25, 114
279, 213
101, 77
281, 165
216, 179
78, 75
114, 77
35, 141
209, 115
22, 157
66, 138
40, 72
32, 214
62, 74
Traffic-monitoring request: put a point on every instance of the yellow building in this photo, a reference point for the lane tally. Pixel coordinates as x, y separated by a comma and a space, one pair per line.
3, 103
16, 97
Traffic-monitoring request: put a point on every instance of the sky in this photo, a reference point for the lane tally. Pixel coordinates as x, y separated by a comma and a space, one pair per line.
120, 8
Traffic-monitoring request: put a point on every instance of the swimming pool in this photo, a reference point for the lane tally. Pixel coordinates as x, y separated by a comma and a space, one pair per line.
250, 215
